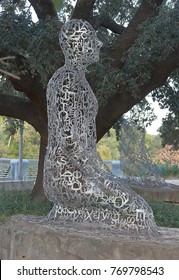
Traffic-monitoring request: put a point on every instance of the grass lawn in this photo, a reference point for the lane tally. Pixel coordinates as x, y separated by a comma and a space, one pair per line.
19, 202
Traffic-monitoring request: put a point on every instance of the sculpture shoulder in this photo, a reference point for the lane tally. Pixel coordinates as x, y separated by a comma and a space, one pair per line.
62, 77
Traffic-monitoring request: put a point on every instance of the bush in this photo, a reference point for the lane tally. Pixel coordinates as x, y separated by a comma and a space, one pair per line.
167, 155
169, 170
166, 214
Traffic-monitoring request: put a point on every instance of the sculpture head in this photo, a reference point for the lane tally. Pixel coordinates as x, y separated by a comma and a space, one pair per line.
79, 43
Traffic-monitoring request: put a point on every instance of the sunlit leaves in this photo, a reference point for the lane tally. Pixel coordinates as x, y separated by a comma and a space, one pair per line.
58, 4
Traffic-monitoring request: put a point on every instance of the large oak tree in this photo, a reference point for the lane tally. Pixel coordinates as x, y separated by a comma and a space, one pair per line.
140, 54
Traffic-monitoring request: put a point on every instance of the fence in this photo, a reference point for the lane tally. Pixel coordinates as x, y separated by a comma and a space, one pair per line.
115, 167
5, 169
9, 169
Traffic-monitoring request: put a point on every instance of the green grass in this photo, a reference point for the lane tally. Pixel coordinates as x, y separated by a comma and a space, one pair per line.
19, 202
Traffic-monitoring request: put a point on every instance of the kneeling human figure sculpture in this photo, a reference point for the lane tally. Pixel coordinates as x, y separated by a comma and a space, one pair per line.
75, 179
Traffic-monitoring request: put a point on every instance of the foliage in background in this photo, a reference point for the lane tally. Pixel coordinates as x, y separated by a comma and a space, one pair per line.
108, 146
142, 115
169, 94
9, 139
167, 155
153, 144
169, 171
169, 130
58, 4
167, 160
11, 126
30, 39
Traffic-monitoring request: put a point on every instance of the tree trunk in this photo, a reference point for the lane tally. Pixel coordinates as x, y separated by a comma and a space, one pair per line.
38, 192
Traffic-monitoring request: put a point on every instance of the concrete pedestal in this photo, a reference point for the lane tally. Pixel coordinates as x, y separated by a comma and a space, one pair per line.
23, 238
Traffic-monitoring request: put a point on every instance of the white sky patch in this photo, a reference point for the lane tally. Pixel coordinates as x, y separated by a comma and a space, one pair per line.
160, 113
34, 16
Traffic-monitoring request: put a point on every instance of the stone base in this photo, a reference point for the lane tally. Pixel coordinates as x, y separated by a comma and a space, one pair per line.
23, 237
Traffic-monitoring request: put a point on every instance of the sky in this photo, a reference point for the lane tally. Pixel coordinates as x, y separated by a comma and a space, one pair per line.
160, 113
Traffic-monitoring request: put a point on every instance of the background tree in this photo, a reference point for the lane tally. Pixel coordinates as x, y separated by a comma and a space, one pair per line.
167, 155
140, 54
108, 146
169, 131
153, 144
10, 137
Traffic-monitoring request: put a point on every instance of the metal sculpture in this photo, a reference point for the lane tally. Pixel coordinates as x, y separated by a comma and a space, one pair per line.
136, 163
81, 187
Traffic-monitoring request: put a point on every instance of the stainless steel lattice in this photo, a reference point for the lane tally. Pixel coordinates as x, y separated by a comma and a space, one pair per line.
75, 179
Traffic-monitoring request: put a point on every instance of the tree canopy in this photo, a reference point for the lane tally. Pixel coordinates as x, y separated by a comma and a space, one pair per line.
140, 55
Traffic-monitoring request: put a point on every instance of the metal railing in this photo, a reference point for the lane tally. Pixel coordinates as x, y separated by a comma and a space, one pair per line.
32, 169
9, 169
5, 169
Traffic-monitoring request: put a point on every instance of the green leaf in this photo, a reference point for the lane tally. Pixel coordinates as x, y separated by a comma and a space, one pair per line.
58, 4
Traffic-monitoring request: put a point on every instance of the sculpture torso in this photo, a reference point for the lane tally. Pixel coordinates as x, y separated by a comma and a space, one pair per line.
72, 109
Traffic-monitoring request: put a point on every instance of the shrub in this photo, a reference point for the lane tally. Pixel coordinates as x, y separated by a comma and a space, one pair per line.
166, 214
167, 155
167, 170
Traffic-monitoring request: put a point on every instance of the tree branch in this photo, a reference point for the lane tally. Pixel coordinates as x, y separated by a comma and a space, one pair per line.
147, 10
4, 61
108, 23
44, 8
30, 85
5, 73
161, 72
124, 100
19, 108
83, 9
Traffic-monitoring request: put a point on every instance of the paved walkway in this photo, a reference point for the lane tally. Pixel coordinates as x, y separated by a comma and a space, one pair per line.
175, 181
